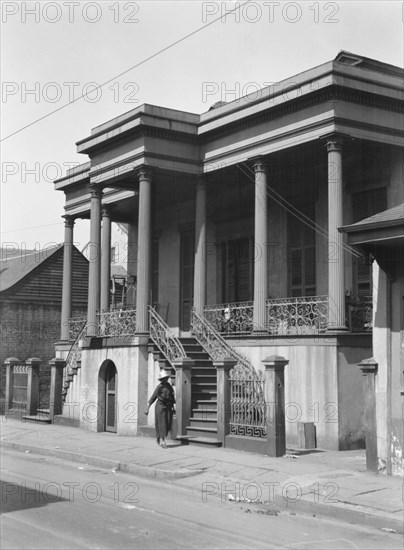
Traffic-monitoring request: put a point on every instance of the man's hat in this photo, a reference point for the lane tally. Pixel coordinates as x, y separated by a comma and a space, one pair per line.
163, 374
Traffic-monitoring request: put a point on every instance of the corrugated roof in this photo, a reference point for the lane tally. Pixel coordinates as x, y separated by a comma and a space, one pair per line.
13, 270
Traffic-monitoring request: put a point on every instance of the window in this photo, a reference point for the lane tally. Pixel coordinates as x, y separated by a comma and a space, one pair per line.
301, 253
365, 204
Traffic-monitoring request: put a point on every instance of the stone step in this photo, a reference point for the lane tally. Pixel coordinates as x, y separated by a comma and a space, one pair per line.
204, 422
204, 413
45, 419
203, 404
204, 441
200, 431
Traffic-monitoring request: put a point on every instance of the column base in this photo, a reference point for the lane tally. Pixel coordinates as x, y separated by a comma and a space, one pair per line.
336, 329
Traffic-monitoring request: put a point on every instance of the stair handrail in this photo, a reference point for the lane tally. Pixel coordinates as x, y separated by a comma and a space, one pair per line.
215, 345
75, 350
163, 337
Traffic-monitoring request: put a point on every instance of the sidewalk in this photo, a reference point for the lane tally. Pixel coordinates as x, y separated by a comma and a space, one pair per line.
324, 483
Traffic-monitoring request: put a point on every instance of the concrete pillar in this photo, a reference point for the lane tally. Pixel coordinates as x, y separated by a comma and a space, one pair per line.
336, 270
9, 364
95, 261
369, 371
275, 404
144, 252
33, 365
56, 403
200, 248
183, 368
67, 278
260, 249
223, 369
105, 257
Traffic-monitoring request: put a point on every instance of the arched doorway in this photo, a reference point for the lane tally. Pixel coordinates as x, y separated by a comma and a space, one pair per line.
111, 384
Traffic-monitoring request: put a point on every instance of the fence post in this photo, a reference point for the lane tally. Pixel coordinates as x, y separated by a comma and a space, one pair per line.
33, 365
369, 371
55, 404
223, 368
9, 363
183, 368
275, 403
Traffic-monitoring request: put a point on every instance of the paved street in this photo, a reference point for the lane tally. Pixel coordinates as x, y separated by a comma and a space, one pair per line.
50, 503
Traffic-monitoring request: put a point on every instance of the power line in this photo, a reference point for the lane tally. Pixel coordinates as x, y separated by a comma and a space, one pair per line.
152, 56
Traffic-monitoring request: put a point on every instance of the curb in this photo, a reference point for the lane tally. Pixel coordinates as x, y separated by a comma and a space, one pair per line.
347, 515
105, 463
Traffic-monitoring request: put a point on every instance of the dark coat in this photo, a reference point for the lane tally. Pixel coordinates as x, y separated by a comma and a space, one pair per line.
164, 395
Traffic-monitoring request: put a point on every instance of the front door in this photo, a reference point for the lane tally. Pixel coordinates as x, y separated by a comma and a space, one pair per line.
187, 252
111, 379
237, 280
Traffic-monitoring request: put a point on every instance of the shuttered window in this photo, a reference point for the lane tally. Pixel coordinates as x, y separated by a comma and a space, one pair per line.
365, 204
301, 253
237, 273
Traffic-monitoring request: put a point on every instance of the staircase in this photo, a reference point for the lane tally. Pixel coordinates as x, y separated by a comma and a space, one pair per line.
202, 429
203, 422
41, 415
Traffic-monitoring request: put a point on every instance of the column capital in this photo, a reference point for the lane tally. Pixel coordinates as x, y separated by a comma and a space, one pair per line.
259, 165
69, 221
95, 190
368, 366
106, 210
333, 142
144, 173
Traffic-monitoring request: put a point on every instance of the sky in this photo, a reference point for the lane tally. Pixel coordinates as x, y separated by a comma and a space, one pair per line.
184, 55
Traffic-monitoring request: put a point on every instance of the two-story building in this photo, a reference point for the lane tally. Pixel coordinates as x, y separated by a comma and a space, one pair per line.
233, 220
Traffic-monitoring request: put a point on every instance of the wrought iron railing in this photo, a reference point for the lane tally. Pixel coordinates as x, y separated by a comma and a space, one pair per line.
247, 396
360, 314
302, 315
76, 325
214, 344
117, 322
247, 404
231, 318
74, 354
162, 336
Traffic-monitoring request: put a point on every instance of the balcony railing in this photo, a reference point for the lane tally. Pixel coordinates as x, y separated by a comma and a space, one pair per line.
302, 315
117, 322
231, 318
76, 325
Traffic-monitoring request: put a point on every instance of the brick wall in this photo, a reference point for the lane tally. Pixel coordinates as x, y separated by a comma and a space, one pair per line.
30, 330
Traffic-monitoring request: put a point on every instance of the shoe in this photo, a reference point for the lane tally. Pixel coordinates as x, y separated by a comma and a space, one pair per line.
164, 445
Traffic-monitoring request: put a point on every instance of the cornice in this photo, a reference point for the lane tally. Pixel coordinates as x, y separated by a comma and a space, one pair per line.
330, 93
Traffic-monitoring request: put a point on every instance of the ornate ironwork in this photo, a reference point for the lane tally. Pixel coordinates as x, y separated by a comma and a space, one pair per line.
302, 315
74, 354
75, 327
162, 336
231, 318
360, 314
247, 404
117, 322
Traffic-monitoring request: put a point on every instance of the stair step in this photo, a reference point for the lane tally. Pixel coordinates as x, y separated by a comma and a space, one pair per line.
204, 412
37, 418
200, 431
202, 404
204, 422
203, 441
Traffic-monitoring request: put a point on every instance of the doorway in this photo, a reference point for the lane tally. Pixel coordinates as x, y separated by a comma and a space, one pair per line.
111, 380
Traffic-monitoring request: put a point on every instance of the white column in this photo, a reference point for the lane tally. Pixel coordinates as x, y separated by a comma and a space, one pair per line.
67, 278
260, 248
144, 252
336, 285
94, 257
105, 257
200, 248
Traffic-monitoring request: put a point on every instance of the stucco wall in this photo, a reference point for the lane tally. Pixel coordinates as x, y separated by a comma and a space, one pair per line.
322, 385
131, 363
